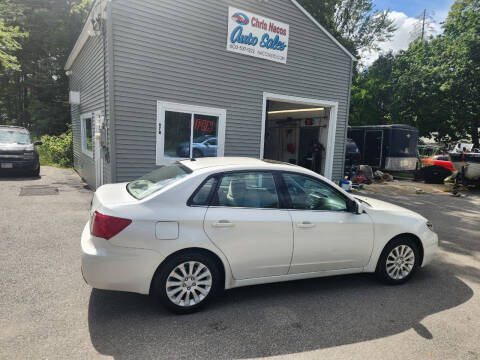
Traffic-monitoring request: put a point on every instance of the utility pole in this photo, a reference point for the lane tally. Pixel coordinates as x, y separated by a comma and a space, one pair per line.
423, 22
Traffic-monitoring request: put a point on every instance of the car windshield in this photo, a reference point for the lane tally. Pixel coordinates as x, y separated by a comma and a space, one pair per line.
9, 136
156, 180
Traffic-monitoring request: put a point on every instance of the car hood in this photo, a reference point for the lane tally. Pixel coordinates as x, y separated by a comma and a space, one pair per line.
383, 206
15, 147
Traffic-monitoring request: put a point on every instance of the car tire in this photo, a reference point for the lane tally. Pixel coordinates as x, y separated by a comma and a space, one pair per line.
36, 173
398, 262
178, 277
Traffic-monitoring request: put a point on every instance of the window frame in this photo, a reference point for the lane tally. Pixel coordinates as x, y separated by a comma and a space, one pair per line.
288, 199
218, 179
199, 187
163, 106
83, 133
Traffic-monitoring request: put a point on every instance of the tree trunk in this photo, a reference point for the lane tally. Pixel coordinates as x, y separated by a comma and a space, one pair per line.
474, 132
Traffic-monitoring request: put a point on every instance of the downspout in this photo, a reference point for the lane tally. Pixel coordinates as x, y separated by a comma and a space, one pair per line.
346, 122
111, 93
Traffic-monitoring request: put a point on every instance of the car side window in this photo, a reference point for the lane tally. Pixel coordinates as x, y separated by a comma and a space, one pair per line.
247, 189
307, 193
201, 196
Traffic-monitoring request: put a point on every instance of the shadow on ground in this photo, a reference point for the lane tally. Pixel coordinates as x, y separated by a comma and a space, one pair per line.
274, 319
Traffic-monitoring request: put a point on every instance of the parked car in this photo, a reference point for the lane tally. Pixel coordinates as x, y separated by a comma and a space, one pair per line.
202, 146
17, 151
436, 168
186, 231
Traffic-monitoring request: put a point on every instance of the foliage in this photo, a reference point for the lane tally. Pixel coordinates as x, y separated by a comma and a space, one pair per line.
434, 85
57, 150
10, 36
35, 93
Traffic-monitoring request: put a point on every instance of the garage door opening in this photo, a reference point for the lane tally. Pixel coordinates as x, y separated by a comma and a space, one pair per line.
297, 133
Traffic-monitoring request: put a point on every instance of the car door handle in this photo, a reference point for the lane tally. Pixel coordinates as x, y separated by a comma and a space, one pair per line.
305, 225
223, 223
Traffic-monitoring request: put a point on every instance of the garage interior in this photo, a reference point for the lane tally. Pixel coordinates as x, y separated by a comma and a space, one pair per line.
297, 134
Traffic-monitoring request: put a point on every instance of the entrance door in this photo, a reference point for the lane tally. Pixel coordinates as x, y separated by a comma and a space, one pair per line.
248, 226
373, 147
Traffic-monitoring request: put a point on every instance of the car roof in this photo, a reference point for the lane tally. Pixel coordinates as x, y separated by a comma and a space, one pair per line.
236, 162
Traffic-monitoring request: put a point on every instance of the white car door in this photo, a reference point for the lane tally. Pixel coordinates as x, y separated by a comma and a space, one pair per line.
248, 226
327, 236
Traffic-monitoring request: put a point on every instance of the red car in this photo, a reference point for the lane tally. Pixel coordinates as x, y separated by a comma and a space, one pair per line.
439, 160
436, 168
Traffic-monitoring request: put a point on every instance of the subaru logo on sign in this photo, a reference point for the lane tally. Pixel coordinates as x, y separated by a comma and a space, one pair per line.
240, 18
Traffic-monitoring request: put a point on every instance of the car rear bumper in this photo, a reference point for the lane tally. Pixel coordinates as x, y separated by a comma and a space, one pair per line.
109, 267
430, 247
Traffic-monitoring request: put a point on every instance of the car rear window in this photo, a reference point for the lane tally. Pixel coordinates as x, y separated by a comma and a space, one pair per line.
157, 179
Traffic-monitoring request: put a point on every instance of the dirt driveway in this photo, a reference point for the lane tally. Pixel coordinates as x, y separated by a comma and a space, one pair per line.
47, 311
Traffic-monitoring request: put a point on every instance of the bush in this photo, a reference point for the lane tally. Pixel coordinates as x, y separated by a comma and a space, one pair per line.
57, 150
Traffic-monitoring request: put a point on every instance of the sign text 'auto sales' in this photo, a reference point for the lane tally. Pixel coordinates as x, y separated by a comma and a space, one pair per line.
258, 36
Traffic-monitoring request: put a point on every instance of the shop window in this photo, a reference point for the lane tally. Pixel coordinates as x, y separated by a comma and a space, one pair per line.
87, 134
189, 132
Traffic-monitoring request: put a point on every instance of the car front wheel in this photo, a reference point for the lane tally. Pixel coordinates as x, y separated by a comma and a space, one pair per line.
398, 261
187, 283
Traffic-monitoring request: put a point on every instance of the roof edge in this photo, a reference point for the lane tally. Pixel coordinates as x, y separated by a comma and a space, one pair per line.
308, 15
98, 7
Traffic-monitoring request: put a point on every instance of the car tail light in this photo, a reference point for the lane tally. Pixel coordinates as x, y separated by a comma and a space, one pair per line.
106, 226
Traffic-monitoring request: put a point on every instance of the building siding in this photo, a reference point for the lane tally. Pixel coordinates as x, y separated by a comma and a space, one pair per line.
88, 78
176, 51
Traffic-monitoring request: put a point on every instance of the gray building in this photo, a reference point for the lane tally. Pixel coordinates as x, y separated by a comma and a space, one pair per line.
152, 81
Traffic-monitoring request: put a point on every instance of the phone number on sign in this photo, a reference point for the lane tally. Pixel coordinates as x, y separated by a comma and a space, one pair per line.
241, 48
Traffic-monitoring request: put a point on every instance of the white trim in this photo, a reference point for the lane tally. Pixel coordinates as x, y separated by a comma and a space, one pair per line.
307, 14
163, 106
83, 137
87, 30
332, 124
98, 124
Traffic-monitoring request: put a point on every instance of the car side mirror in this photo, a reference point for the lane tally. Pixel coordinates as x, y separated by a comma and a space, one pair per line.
37, 143
354, 207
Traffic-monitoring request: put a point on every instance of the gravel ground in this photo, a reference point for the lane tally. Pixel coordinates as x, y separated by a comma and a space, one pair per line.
47, 311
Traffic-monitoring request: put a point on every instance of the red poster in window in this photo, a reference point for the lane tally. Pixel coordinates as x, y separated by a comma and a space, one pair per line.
203, 125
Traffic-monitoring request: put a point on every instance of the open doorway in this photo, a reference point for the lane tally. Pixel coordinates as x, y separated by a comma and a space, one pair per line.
299, 131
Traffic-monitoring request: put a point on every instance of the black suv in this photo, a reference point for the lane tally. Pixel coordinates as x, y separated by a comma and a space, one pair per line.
17, 152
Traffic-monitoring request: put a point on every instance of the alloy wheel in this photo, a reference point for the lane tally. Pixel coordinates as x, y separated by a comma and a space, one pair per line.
400, 262
188, 284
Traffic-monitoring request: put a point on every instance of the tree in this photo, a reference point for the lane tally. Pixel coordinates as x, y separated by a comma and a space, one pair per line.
35, 94
9, 36
372, 94
434, 85
355, 23
461, 64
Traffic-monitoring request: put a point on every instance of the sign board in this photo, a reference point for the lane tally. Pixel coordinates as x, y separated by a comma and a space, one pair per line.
74, 97
257, 36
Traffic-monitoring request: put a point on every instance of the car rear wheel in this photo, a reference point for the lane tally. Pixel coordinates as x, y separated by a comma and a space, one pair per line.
187, 283
398, 261
36, 172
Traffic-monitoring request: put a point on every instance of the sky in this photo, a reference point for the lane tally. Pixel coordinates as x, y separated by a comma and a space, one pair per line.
405, 14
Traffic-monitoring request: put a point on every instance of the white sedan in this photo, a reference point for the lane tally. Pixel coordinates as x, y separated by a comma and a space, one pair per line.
188, 230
